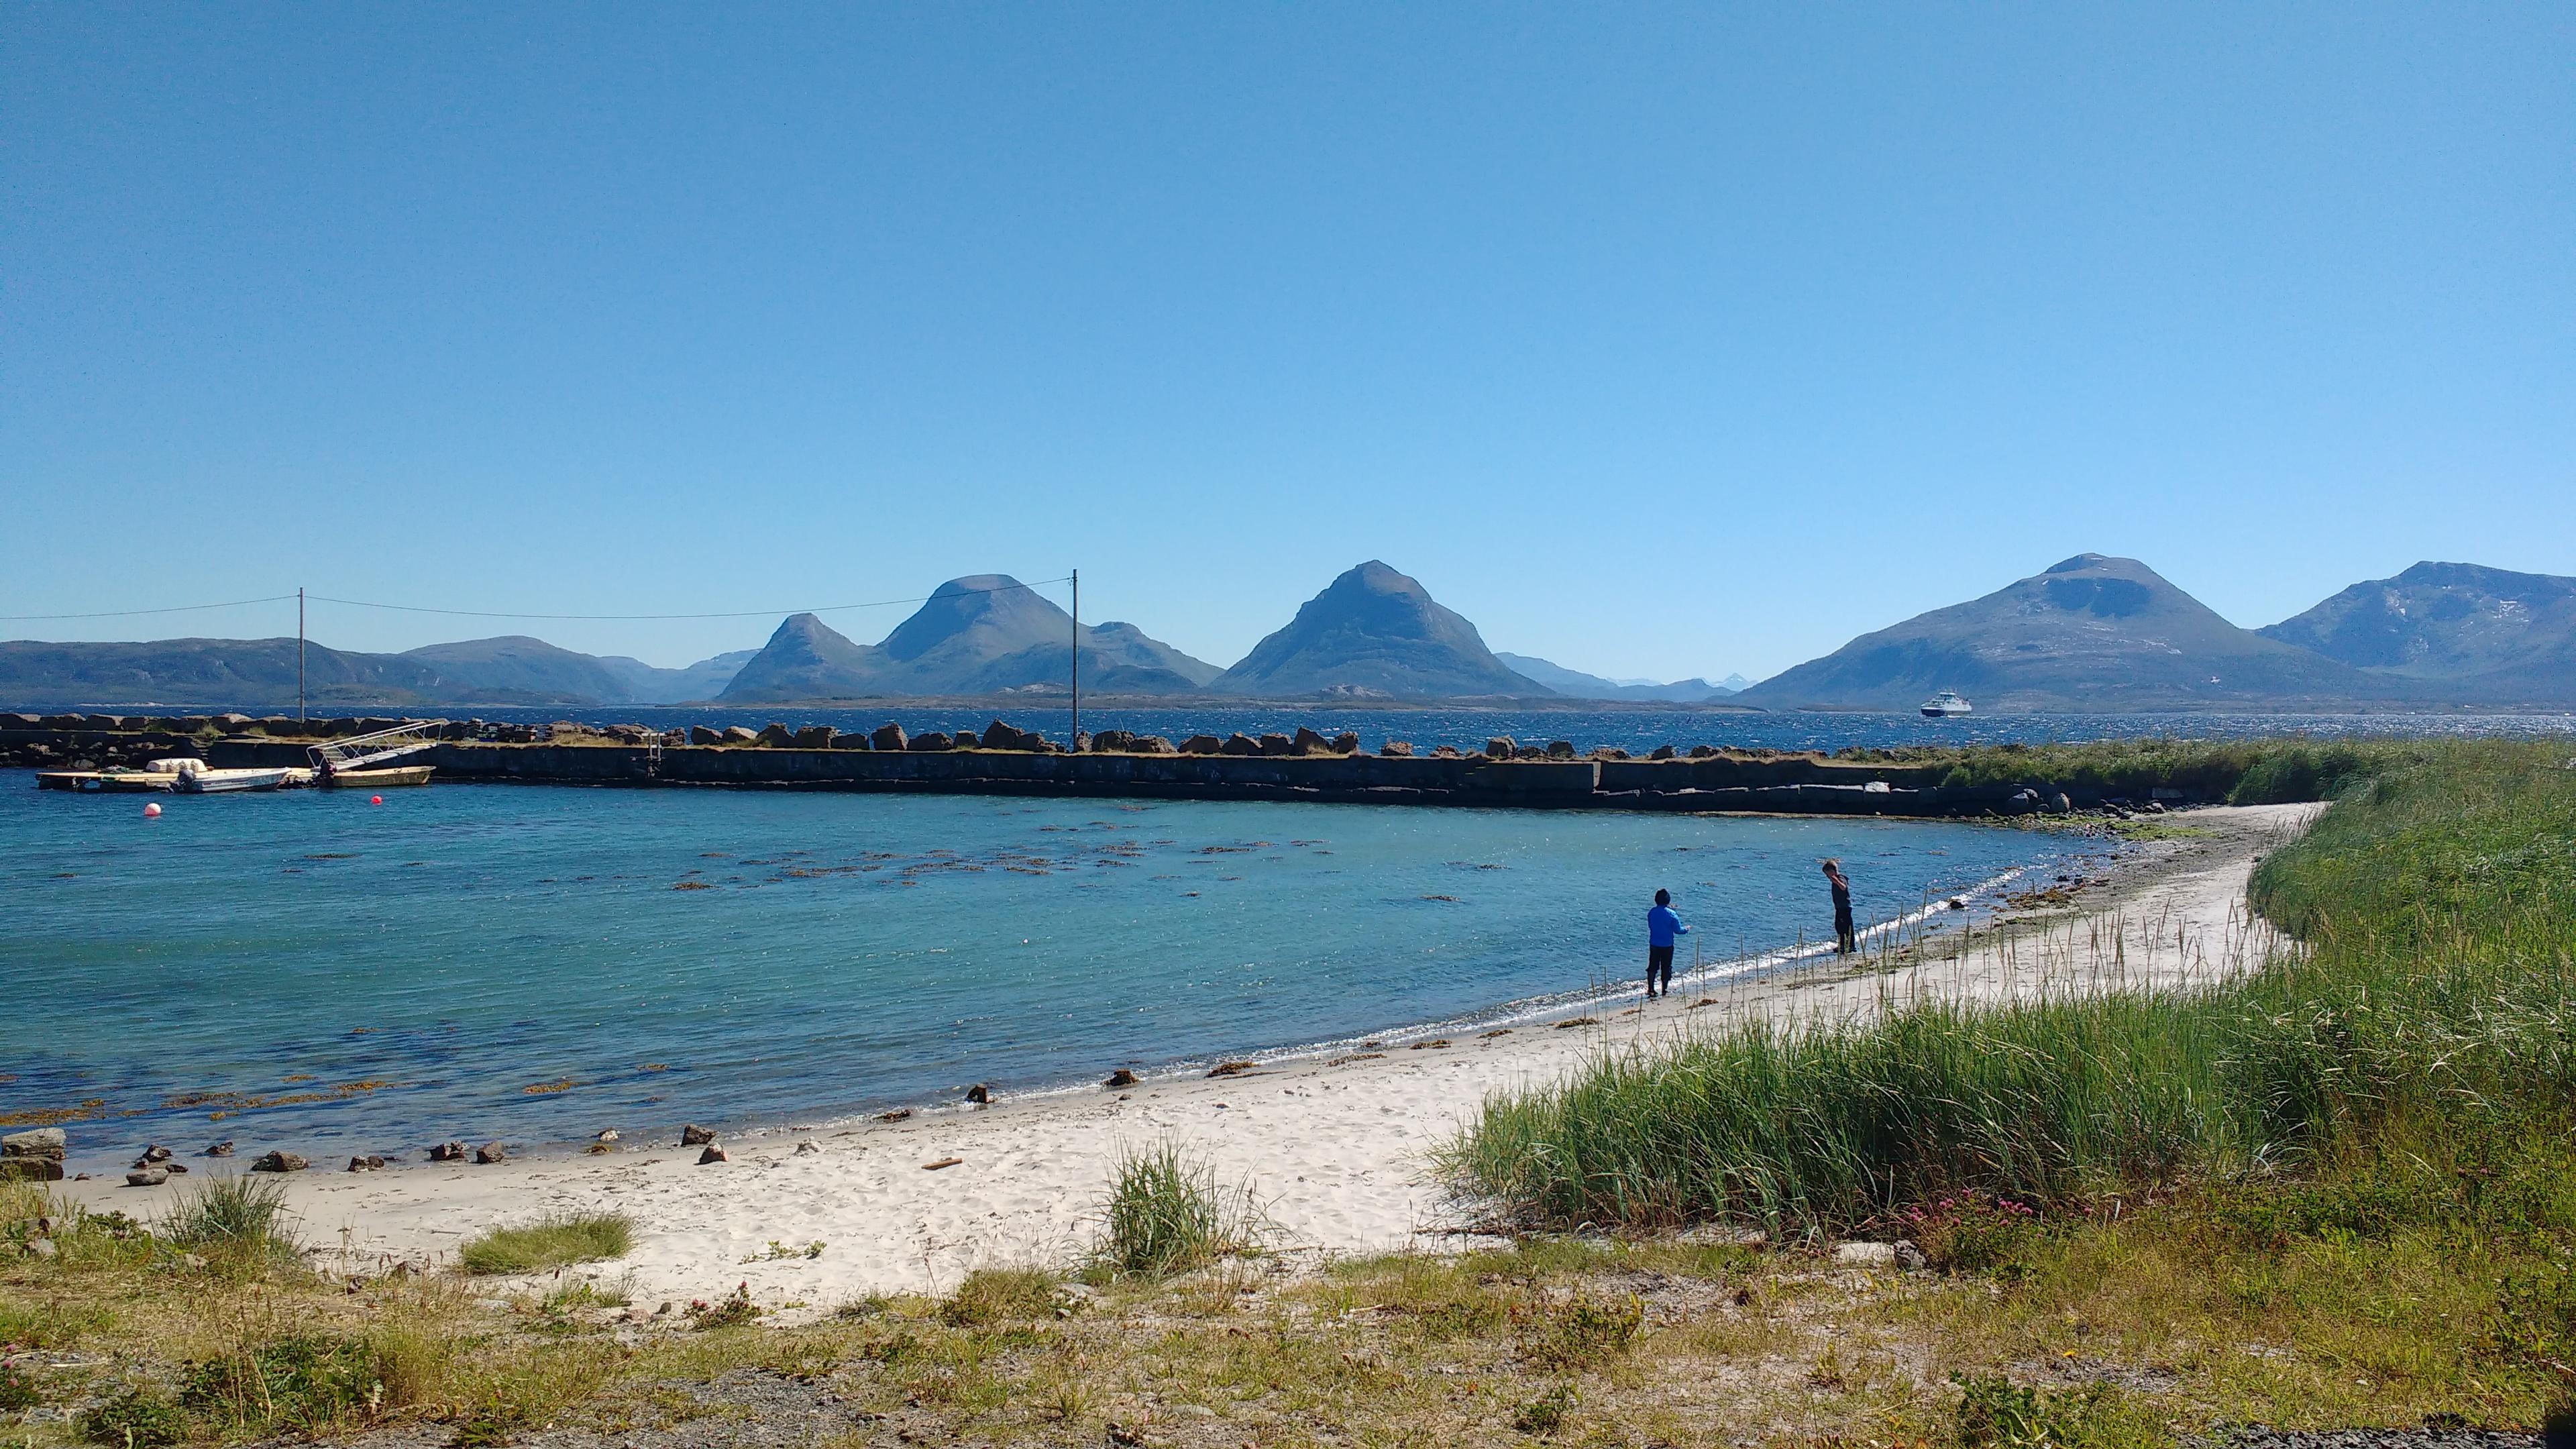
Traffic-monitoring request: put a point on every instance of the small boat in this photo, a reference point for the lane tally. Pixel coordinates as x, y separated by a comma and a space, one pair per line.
1946, 705
373, 779
196, 777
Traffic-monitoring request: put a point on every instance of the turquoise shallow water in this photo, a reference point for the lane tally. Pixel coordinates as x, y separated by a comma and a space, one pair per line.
532, 964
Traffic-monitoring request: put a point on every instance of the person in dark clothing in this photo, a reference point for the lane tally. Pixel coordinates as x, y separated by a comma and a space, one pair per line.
1844, 943
1663, 926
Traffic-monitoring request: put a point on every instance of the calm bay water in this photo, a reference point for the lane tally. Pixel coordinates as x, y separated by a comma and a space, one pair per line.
534, 963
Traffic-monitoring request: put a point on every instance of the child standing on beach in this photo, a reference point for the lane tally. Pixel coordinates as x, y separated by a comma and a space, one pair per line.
1844, 943
1663, 925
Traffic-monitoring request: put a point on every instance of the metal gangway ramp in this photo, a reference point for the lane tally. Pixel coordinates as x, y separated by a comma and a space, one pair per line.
358, 752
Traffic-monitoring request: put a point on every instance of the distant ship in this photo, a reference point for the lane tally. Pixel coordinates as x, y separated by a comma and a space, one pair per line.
1945, 705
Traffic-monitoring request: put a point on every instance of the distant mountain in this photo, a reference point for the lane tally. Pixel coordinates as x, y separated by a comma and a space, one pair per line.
188, 674
2092, 633
1375, 631
1576, 684
650, 684
260, 674
982, 634
2474, 634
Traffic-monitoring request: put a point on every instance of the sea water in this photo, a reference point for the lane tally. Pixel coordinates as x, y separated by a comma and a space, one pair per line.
532, 964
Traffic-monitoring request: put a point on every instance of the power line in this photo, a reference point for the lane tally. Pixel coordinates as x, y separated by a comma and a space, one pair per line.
501, 614
729, 614
131, 613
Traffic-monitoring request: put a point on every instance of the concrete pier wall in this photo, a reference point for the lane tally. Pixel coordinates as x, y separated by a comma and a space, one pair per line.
1794, 785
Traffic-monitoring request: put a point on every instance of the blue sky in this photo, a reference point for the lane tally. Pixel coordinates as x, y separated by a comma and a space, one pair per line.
1658, 341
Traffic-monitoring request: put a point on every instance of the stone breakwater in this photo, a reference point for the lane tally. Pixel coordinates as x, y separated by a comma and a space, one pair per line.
1004, 760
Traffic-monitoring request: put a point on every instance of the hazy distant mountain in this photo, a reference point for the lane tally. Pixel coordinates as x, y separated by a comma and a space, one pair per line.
2474, 634
981, 634
1576, 684
195, 674
260, 674
1373, 630
650, 684
2092, 633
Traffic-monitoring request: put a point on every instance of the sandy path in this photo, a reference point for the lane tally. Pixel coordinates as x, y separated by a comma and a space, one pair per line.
1337, 1149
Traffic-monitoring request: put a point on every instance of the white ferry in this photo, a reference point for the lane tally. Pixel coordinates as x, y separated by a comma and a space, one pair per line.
1946, 705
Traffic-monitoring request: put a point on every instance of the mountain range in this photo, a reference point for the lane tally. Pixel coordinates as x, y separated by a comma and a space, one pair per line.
2093, 633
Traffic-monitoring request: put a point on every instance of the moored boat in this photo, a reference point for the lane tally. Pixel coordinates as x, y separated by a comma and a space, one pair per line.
373, 779
196, 777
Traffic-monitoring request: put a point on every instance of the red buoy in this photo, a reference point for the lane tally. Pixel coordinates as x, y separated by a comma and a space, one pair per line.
152, 811
375, 799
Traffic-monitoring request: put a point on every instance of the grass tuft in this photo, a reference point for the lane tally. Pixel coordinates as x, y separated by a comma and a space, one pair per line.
1168, 1213
549, 1242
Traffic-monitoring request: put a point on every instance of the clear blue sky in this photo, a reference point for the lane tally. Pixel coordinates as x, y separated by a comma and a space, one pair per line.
1656, 340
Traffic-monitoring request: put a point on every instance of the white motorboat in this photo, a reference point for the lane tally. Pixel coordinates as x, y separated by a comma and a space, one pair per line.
196, 777
1946, 705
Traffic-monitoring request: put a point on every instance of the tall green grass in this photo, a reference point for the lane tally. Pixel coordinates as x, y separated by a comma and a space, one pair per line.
2433, 986
1168, 1212
549, 1242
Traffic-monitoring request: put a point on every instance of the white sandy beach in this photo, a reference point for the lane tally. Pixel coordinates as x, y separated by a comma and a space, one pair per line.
1337, 1151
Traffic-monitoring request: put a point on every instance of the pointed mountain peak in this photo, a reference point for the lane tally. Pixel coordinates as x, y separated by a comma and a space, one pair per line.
1373, 628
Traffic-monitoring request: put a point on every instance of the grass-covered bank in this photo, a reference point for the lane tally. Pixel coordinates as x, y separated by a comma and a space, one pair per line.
2386, 1110
2276, 771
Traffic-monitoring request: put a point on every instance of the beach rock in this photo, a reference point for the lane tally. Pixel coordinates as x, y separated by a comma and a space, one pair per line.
701, 735
1396, 749
1202, 745
39, 1142
1607, 752
739, 735
365, 1164
32, 1169
1151, 745
979, 1094
816, 737
1345, 743
147, 1177
1239, 745
1500, 747
965, 741
279, 1161
1232, 1069
491, 1152
926, 744
1309, 742
1908, 1257
850, 742
1560, 749
773, 736
1275, 745
606, 1134
1109, 742
1704, 752
1445, 752
1865, 1255
809, 1148
447, 1152
1001, 736
897, 1115
152, 1154
694, 1135
712, 1154
888, 737
1660, 752
1120, 1078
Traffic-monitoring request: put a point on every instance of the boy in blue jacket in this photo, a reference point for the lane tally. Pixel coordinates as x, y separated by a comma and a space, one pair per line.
1663, 925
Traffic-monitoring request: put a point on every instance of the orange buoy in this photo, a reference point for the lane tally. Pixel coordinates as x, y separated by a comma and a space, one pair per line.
152, 811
